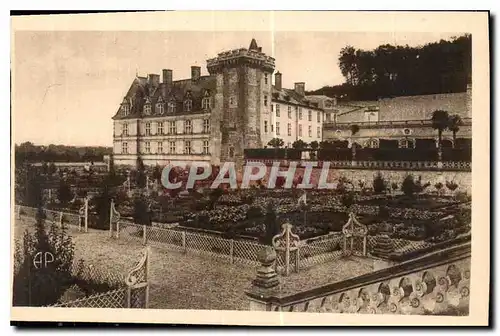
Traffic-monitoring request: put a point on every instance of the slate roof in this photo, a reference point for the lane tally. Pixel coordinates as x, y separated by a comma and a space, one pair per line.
141, 91
289, 96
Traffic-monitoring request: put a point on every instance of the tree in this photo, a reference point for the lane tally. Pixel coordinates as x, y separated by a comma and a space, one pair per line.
276, 143
379, 184
103, 205
440, 122
157, 174
52, 169
45, 168
64, 193
454, 123
142, 215
140, 177
354, 130
298, 144
347, 64
42, 284
272, 227
408, 186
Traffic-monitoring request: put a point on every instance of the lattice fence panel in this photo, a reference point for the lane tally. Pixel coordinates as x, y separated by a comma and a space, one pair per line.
161, 237
213, 246
247, 252
113, 299
320, 251
130, 231
89, 272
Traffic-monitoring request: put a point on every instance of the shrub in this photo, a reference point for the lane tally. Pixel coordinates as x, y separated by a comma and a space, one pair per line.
408, 186
438, 186
379, 184
452, 186
462, 197
44, 284
347, 199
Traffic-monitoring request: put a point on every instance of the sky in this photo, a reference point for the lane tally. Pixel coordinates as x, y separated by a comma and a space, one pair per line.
68, 84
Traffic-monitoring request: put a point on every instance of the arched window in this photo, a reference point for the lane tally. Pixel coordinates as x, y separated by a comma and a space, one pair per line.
160, 108
373, 143
406, 143
205, 103
147, 109
231, 152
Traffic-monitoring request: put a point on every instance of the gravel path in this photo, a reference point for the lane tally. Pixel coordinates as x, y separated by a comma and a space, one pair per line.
187, 281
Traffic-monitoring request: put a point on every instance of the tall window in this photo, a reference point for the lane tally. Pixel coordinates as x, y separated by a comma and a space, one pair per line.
289, 129
148, 128
159, 127
187, 127
310, 131
328, 117
231, 152
272, 107
160, 108
272, 128
277, 110
319, 132
289, 112
300, 114
125, 129
124, 148
187, 147
265, 126
265, 100
205, 103
171, 107
300, 130
309, 115
147, 147
126, 109
188, 104
206, 147
147, 109
318, 116
171, 147
160, 147
277, 128
206, 125
266, 78
172, 128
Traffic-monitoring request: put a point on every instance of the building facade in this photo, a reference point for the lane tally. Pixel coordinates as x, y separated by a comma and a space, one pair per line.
212, 118
405, 120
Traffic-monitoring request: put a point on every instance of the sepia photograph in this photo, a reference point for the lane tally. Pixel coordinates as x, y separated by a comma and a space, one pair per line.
252, 168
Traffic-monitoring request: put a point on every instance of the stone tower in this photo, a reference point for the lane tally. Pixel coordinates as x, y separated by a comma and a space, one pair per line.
242, 100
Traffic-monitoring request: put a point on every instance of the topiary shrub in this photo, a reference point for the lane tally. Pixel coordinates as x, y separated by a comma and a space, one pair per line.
379, 184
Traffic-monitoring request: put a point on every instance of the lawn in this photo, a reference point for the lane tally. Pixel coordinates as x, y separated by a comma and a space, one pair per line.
180, 281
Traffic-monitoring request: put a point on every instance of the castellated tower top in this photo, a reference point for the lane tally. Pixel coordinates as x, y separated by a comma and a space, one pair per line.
253, 56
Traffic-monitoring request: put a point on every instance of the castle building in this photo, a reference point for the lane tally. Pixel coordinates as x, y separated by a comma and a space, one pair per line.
212, 118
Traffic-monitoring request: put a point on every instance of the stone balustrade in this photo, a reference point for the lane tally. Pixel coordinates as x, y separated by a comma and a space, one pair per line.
437, 283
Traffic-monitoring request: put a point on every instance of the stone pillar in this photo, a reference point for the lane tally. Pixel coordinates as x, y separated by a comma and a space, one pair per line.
265, 285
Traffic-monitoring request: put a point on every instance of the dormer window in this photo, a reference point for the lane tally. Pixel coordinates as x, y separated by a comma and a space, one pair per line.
160, 108
147, 109
205, 103
188, 105
125, 109
171, 107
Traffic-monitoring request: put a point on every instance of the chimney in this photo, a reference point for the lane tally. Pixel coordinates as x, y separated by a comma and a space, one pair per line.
195, 73
277, 81
154, 80
300, 88
167, 76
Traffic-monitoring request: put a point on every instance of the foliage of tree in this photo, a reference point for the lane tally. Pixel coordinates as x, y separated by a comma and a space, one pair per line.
64, 193
314, 145
29, 152
43, 262
299, 144
440, 121
276, 143
272, 227
142, 214
379, 184
140, 174
388, 70
408, 186
454, 123
52, 169
347, 199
